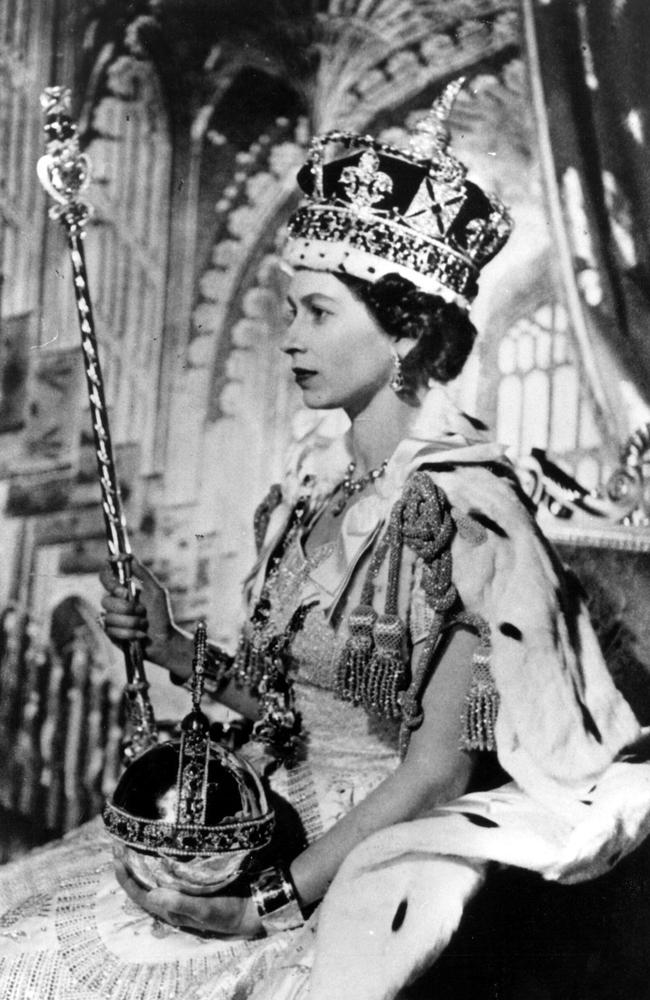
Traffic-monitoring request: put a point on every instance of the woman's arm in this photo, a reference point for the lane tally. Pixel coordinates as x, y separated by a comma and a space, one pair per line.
434, 770
148, 619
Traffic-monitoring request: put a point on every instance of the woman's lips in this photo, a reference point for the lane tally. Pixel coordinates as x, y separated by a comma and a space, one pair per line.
302, 375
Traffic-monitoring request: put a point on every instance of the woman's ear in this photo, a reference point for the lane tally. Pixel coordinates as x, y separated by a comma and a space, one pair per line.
402, 345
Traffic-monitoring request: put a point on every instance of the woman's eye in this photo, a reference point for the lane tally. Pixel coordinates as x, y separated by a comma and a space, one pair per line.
319, 314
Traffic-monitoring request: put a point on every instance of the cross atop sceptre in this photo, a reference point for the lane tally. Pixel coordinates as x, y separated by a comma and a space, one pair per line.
64, 171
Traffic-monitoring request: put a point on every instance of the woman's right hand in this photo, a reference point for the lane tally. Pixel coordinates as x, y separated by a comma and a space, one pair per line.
147, 618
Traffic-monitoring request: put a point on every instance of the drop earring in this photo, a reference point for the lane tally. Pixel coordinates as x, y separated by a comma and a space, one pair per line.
397, 379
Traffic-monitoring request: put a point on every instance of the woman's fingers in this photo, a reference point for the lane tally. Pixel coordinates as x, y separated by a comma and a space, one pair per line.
217, 914
125, 631
124, 620
112, 585
177, 909
143, 574
145, 898
107, 577
133, 889
109, 581
220, 915
122, 606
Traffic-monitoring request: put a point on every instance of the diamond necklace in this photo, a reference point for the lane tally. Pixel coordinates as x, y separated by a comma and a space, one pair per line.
349, 486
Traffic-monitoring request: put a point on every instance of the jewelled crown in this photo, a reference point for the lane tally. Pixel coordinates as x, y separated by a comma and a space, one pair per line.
380, 209
189, 813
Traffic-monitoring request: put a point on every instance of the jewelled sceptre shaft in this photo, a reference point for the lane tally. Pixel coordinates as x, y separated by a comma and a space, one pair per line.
64, 172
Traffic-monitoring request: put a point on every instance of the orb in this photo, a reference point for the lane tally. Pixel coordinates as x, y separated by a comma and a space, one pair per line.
188, 814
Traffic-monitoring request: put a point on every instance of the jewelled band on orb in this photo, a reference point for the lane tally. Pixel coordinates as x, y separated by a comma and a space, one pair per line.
186, 840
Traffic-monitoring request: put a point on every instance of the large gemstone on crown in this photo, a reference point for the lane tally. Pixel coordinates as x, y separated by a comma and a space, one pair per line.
188, 814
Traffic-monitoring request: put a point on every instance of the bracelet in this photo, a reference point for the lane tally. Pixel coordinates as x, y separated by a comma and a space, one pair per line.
217, 672
275, 900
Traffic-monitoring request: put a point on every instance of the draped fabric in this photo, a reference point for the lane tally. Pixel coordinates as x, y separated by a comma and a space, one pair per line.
590, 60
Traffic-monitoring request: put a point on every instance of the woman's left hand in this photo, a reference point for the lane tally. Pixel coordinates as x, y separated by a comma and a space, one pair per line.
223, 916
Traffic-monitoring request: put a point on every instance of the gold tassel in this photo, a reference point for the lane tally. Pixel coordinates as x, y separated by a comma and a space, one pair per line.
355, 655
242, 660
354, 660
249, 661
482, 706
386, 674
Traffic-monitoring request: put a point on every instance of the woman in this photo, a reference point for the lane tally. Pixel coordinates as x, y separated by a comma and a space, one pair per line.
405, 625
404, 574
372, 349
343, 357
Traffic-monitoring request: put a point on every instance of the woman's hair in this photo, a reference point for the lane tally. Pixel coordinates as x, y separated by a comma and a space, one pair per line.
442, 331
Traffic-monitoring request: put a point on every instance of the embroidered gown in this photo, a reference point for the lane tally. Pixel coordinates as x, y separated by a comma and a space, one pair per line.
579, 798
68, 932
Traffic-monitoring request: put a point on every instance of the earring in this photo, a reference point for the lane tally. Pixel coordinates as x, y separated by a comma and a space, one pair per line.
397, 379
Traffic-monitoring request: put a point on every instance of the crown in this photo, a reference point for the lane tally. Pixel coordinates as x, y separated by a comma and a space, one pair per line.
379, 208
189, 813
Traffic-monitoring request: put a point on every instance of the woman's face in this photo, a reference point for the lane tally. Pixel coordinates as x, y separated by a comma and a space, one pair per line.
340, 356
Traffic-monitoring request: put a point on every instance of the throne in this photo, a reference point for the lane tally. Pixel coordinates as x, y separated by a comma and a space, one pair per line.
522, 938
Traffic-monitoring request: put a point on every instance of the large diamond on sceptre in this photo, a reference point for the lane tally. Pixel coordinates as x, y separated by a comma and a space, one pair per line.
189, 814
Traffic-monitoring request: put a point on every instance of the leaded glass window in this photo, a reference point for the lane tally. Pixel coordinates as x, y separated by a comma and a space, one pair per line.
542, 401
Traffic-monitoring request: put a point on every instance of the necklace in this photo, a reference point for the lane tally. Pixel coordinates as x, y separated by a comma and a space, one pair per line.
350, 486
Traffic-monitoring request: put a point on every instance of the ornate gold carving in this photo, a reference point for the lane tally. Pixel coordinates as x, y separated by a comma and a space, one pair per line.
615, 516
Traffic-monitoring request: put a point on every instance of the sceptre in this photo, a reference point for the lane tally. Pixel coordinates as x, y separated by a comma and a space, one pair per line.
64, 172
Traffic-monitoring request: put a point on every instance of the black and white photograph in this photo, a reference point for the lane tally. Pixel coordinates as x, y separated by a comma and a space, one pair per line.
324, 500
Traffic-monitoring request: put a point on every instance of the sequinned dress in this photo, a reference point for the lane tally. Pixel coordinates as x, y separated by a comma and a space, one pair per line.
578, 801
68, 932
